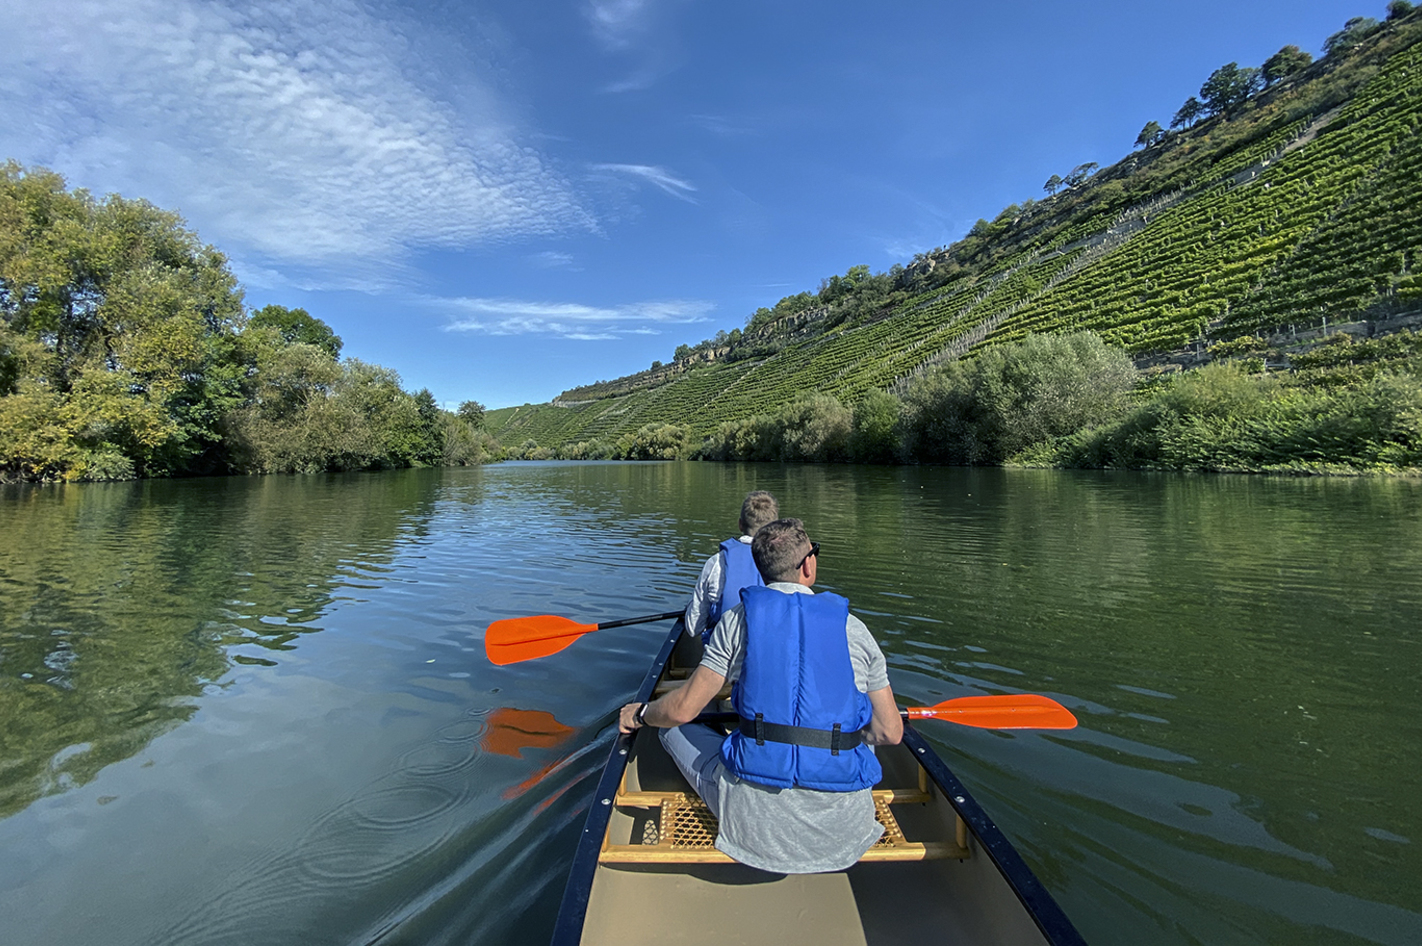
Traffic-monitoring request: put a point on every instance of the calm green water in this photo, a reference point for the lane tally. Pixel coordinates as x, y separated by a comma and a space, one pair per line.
257, 710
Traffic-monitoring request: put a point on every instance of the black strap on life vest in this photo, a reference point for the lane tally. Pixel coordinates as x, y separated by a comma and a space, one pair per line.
832, 739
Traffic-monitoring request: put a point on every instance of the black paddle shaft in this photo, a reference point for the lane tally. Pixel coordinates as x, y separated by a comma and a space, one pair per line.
643, 620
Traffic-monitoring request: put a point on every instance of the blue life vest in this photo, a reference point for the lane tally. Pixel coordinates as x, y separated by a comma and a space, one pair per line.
797, 673
738, 568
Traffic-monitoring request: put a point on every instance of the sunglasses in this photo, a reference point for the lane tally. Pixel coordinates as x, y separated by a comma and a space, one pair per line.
813, 553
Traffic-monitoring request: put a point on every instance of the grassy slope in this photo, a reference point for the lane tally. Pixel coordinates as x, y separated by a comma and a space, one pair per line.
1302, 206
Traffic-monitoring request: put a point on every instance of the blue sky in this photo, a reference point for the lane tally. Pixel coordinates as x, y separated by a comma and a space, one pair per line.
504, 199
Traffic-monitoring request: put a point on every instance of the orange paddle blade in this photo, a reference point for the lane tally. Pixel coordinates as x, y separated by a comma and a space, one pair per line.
513, 730
517, 639
1006, 711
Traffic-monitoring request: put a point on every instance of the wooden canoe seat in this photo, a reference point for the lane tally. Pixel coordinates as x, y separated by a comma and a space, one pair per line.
684, 831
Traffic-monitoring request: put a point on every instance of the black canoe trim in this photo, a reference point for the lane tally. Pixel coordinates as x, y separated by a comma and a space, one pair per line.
568, 930
1049, 917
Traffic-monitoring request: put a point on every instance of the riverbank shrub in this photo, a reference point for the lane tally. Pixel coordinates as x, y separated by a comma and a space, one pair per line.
594, 449
1222, 418
815, 428
1014, 396
874, 436
753, 438
656, 442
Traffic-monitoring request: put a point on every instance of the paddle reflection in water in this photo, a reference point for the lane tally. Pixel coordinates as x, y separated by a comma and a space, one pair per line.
513, 730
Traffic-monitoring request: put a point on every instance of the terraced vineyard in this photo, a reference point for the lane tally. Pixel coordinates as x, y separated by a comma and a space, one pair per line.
1304, 207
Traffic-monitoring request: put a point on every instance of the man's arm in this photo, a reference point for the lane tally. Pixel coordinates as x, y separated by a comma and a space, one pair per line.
684, 704
699, 608
886, 728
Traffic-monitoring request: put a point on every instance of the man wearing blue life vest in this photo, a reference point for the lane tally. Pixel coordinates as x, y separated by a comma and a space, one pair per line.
730, 569
791, 785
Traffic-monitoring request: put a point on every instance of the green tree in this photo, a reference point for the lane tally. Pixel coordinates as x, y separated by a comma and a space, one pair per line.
1284, 63
1398, 9
1080, 173
396, 428
837, 287
1150, 134
682, 353
428, 448
1054, 184
759, 319
298, 326
472, 413
119, 341
1229, 87
1189, 113
464, 445
1353, 33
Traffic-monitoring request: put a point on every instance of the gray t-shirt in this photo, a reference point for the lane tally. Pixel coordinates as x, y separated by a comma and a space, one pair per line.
710, 587
794, 830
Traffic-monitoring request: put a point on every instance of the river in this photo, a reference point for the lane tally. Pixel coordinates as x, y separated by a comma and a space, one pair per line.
258, 711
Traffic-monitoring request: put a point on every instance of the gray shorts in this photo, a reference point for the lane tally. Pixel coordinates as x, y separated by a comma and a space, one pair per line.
696, 749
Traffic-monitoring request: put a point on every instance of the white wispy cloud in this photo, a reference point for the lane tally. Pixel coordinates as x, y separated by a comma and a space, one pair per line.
618, 23
567, 319
552, 259
720, 125
639, 34
658, 177
293, 133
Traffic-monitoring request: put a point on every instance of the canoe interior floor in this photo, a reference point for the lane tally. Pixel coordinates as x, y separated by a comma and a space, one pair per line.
874, 904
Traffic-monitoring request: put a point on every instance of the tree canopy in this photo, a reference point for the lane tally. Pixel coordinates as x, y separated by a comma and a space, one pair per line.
1229, 87
118, 331
1352, 35
298, 326
1079, 174
1189, 113
125, 350
472, 413
1284, 63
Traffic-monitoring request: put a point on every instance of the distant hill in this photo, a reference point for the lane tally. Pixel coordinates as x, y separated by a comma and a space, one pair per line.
1289, 205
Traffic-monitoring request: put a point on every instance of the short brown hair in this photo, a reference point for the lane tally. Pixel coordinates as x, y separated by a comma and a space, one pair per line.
779, 548
759, 508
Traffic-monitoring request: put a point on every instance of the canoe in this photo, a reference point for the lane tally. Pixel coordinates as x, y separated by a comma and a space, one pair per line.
645, 870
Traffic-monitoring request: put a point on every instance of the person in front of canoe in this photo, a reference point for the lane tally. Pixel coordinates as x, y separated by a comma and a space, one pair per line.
792, 799
730, 569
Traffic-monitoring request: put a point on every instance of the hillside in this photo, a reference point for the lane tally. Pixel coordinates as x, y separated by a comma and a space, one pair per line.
1294, 206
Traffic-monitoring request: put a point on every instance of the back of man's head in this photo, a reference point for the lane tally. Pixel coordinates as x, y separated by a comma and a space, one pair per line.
758, 509
779, 548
